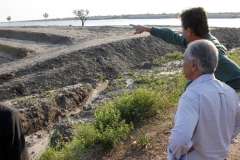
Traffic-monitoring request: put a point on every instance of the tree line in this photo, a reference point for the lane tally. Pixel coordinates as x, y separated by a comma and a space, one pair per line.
80, 13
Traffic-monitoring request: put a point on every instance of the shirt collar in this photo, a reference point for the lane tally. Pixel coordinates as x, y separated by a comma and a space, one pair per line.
202, 78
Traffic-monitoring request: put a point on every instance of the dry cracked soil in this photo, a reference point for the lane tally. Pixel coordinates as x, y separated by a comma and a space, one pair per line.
43, 69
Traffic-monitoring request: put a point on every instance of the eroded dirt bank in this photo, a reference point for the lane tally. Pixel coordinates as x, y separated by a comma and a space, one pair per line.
85, 65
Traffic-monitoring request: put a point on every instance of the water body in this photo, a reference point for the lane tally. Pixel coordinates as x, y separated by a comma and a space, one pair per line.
235, 22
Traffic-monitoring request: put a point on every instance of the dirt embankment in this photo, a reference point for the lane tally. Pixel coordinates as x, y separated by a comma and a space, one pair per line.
35, 75
45, 68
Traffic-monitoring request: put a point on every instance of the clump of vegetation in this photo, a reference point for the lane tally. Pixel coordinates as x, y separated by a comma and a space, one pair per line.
120, 76
170, 57
137, 105
48, 92
116, 84
107, 130
142, 140
110, 125
101, 77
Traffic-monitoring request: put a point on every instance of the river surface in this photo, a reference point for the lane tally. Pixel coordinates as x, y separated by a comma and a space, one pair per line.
234, 22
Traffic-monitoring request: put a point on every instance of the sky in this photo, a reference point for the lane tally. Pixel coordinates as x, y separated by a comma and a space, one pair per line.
34, 9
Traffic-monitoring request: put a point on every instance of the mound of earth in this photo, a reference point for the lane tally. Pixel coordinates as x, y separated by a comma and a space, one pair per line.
43, 69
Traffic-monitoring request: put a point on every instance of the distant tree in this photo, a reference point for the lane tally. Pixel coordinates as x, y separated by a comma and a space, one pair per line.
81, 14
9, 19
45, 15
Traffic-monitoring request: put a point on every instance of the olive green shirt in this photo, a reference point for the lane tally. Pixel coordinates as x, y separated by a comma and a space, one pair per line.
227, 71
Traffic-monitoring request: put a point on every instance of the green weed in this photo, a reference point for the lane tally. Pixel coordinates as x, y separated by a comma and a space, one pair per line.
120, 76
48, 92
142, 140
170, 57
101, 77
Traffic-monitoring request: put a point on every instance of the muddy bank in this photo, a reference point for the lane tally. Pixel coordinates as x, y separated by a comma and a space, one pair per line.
87, 65
40, 111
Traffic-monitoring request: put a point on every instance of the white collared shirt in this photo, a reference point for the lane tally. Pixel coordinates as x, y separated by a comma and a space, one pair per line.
207, 118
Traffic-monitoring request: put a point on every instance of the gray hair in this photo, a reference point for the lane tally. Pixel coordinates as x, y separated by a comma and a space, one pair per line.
205, 53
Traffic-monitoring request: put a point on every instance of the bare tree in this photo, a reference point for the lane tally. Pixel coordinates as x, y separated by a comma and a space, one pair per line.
82, 15
45, 15
9, 19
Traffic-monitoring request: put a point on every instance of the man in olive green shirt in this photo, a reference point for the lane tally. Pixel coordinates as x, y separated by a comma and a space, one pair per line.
194, 27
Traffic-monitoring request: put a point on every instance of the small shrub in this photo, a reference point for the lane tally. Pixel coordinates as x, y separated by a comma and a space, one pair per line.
110, 125
86, 134
101, 77
142, 140
49, 154
137, 105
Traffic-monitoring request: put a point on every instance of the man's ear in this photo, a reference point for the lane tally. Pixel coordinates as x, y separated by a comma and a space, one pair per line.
189, 31
194, 65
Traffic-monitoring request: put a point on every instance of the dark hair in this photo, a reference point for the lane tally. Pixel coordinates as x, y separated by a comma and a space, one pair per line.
196, 19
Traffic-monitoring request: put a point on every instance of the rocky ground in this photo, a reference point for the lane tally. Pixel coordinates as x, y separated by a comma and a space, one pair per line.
43, 69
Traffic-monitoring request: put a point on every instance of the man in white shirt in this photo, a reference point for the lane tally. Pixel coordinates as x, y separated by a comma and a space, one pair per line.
208, 113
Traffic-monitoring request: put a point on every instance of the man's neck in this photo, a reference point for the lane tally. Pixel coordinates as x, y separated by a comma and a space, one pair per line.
195, 75
194, 38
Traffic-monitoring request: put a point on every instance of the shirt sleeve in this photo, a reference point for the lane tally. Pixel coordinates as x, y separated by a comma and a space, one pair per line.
237, 123
17, 149
169, 36
186, 119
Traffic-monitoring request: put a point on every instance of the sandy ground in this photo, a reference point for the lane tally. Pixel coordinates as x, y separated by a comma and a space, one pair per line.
43, 69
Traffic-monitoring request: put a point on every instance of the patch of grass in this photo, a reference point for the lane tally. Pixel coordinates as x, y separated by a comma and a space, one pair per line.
110, 87
120, 76
234, 56
48, 92
142, 140
49, 153
101, 77
18, 100
117, 84
85, 136
31, 101
170, 57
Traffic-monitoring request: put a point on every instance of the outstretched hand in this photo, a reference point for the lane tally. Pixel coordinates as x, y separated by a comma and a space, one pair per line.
140, 29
